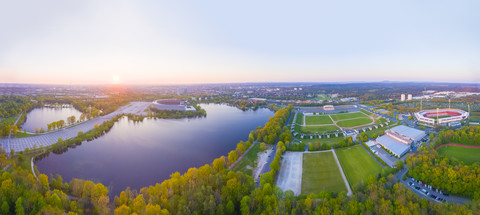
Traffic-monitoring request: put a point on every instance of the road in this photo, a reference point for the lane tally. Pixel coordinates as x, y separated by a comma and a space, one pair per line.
20, 144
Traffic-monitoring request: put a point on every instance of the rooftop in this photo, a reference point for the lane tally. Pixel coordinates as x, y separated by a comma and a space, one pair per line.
393, 145
406, 131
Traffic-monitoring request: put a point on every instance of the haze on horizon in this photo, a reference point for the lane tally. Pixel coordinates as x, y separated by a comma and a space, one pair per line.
176, 42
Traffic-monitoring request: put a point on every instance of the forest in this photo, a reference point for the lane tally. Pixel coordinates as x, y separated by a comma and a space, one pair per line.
446, 173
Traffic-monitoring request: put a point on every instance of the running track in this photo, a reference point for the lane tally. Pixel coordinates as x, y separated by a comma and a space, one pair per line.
454, 144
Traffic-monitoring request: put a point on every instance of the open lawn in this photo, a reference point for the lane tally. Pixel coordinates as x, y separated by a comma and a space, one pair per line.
329, 141
318, 120
357, 164
320, 129
467, 155
321, 173
354, 122
380, 121
338, 117
299, 120
249, 159
367, 113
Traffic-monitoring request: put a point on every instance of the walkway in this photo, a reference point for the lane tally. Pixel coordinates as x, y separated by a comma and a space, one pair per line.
454, 144
20, 144
349, 193
18, 118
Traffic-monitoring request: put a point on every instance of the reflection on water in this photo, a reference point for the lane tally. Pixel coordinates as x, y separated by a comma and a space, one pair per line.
138, 154
40, 117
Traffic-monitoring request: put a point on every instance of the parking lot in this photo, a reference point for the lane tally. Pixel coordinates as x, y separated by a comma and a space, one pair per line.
427, 190
385, 156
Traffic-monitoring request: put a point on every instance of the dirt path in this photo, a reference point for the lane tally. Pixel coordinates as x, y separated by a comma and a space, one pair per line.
262, 160
454, 144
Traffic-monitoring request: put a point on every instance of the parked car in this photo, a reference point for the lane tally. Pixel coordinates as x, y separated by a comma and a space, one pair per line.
417, 187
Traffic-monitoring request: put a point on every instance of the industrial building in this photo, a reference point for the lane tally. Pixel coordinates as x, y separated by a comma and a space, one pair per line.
399, 139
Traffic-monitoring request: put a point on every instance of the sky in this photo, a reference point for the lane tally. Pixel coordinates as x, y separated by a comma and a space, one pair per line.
183, 42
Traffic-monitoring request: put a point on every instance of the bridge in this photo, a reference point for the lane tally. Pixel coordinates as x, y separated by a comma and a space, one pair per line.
20, 144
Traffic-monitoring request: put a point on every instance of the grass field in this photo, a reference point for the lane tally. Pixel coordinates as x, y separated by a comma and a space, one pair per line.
332, 140
321, 173
338, 117
467, 155
248, 160
318, 120
354, 122
319, 129
367, 113
299, 120
357, 164
380, 121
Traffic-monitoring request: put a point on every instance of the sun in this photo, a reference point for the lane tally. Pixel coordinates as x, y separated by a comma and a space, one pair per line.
116, 79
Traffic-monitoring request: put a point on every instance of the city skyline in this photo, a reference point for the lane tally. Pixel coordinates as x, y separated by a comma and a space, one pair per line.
147, 42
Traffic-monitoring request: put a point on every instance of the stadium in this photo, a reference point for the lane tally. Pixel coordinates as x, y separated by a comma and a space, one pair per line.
169, 104
442, 117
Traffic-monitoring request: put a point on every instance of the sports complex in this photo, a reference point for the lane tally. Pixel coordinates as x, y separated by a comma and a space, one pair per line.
320, 123
441, 117
333, 170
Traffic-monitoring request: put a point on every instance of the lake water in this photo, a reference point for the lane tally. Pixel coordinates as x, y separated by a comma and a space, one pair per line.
139, 154
40, 117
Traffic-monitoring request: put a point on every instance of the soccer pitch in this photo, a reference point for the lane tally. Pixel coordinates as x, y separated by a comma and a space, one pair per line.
320, 129
321, 173
357, 164
318, 120
354, 122
467, 155
343, 116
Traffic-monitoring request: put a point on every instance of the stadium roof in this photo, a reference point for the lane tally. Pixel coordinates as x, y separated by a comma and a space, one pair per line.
393, 145
413, 133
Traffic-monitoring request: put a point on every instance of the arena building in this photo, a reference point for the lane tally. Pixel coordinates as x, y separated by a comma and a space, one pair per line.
169, 104
399, 139
442, 117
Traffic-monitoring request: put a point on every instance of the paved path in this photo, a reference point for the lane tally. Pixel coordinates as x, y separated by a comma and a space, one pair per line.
370, 153
18, 118
349, 193
240, 158
20, 144
454, 144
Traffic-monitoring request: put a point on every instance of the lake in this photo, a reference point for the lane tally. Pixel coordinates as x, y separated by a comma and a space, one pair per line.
40, 117
139, 154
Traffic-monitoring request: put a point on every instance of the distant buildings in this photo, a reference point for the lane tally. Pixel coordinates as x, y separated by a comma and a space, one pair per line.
402, 97
409, 97
399, 139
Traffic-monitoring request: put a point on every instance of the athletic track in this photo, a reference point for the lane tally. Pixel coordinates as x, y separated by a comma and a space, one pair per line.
454, 144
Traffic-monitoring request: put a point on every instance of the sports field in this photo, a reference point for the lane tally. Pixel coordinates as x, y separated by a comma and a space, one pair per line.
342, 116
467, 155
318, 120
357, 164
319, 129
321, 173
354, 122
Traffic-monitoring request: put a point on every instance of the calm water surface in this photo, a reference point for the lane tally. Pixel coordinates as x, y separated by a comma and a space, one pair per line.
40, 117
141, 154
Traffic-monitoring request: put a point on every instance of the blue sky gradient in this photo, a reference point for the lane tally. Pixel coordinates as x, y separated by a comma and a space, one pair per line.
169, 42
